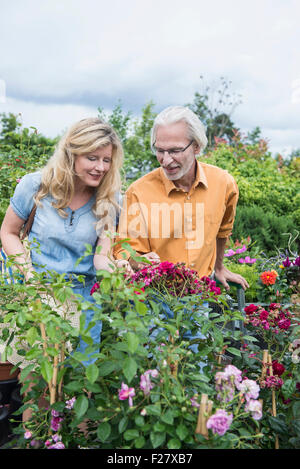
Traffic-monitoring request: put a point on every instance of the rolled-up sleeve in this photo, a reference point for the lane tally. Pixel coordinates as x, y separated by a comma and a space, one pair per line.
232, 195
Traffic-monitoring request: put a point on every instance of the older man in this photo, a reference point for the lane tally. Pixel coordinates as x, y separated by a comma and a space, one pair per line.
184, 210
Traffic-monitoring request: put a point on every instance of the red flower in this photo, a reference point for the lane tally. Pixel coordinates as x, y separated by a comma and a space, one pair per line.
278, 368
95, 287
274, 306
263, 315
251, 309
284, 324
269, 277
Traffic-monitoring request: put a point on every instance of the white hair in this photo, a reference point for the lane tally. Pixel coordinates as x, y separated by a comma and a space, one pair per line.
174, 114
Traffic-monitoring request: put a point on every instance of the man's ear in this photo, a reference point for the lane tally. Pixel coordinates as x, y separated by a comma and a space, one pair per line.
197, 148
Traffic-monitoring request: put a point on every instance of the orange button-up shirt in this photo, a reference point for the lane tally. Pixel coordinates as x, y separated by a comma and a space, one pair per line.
179, 226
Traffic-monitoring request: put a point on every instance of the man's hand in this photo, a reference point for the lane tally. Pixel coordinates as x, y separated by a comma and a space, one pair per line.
224, 275
151, 256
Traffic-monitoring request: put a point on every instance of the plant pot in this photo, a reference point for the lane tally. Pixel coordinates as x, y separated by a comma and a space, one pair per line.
6, 389
4, 425
14, 405
5, 371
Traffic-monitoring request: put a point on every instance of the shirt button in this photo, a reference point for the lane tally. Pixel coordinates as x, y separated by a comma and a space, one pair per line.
193, 264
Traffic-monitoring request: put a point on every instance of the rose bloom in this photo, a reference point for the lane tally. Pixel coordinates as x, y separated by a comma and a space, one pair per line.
250, 309
255, 407
263, 315
219, 422
249, 388
278, 368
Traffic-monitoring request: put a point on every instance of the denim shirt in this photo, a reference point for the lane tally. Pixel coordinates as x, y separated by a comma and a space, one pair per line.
61, 241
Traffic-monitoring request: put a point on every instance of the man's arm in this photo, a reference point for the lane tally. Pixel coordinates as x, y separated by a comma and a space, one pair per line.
221, 272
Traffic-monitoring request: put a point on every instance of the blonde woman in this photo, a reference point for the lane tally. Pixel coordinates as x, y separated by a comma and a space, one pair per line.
81, 179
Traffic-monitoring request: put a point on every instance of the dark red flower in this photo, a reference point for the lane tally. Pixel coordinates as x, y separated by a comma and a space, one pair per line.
251, 309
278, 368
263, 315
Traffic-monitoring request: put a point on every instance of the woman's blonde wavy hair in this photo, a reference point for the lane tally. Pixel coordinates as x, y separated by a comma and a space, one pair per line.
58, 175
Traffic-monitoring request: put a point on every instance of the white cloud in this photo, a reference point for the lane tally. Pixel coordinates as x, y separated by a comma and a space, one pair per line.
68, 57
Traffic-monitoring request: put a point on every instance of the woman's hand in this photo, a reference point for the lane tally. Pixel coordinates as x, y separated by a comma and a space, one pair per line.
150, 256
122, 263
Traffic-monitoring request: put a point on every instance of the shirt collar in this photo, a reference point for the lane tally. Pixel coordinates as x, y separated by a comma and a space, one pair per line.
200, 179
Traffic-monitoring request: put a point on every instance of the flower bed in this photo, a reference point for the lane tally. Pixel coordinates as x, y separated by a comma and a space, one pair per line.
149, 386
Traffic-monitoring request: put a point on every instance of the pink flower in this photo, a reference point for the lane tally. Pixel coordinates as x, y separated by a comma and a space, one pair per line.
58, 445
194, 402
126, 393
145, 384
94, 288
219, 422
229, 253
255, 407
143, 412
27, 435
241, 250
70, 403
233, 374
249, 389
272, 382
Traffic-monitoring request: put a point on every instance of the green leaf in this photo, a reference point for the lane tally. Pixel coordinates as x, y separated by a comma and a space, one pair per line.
157, 439
288, 388
131, 434
174, 444
140, 442
73, 386
107, 368
153, 409
140, 307
123, 424
105, 285
31, 335
129, 368
46, 370
250, 338
234, 351
26, 371
132, 341
168, 417
278, 425
81, 405
182, 431
103, 431
92, 372
139, 421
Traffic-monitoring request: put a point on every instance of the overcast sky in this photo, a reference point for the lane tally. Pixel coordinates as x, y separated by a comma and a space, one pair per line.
61, 59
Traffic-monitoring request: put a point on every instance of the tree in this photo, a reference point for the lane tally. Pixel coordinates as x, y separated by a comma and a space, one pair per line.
214, 107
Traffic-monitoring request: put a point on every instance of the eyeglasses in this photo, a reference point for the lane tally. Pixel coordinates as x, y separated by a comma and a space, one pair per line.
172, 151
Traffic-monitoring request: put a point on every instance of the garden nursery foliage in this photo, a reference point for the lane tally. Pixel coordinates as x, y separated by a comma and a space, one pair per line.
179, 366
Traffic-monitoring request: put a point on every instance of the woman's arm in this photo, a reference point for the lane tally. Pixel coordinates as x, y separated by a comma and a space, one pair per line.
105, 259
11, 242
